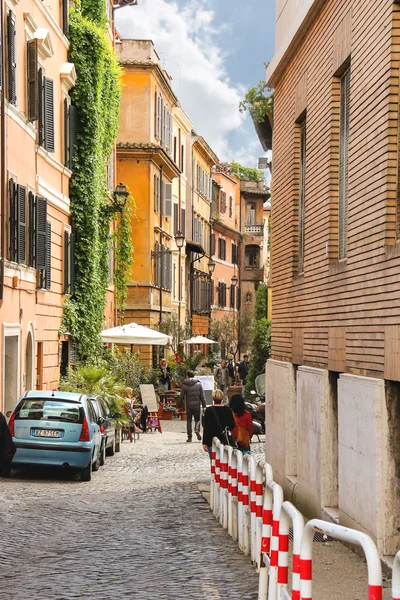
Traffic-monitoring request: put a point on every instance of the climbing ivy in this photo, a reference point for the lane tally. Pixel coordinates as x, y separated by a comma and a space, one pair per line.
123, 256
97, 98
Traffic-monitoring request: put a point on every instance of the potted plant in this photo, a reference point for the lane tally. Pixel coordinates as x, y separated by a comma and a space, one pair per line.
168, 412
259, 101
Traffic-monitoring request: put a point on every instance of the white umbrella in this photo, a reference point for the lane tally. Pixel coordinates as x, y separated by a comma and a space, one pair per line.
199, 339
134, 334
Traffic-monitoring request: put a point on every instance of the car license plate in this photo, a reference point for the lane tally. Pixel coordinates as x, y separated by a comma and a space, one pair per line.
48, 433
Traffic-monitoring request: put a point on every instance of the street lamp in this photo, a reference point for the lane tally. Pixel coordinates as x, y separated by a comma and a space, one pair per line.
120, 196
211, 266
234, 280
179, 239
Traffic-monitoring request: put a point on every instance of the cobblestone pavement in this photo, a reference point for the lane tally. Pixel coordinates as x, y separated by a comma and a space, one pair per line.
140, 529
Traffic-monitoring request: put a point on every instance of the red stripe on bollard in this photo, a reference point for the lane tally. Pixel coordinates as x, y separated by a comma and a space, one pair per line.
275, 528
374, 592
305, 570
274, 558
265, 545
259, 489
252, 485
234, 491
283, 543
245, 480
267, 517
240, 496
258, 510
234, 473
295, 595
252, 506
212, 469
283, 573
245, 499
296, 563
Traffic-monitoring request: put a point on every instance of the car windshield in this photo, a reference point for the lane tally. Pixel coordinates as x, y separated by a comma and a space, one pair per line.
37, 409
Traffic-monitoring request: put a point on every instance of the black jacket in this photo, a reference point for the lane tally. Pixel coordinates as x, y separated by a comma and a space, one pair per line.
7, 449
211, 429
192, 392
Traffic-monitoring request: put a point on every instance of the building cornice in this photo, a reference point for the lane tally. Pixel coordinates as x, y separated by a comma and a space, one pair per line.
222, 228
150, 64
144, 150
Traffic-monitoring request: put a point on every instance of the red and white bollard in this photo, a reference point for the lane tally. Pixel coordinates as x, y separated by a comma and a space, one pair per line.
246, 506
289, 514
217, 477
223, 512
396, 578
346, 535
253, 514
234, 495
273, 500
239, 462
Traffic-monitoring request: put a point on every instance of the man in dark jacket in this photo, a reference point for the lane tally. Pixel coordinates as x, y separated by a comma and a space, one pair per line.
7, 449
192, 392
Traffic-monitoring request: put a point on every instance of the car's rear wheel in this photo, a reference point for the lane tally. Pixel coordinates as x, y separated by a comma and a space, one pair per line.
118, 442
103, 453
96, 464
86, 473
111, 449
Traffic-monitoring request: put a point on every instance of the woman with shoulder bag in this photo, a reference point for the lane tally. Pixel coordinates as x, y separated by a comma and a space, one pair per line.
218, 421
243, 429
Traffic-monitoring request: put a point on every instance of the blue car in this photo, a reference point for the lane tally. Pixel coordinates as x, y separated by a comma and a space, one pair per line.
56, 429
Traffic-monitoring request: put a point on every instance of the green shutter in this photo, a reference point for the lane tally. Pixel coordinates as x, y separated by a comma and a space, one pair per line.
31, 230
12, 64
48, 256
48, 106
21, 230
32, 75
13, 220
41, 232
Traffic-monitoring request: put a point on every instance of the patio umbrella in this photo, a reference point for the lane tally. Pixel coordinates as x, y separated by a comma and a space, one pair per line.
134, 334
199, 339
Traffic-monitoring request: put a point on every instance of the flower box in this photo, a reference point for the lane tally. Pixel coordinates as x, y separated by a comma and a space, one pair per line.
167, 415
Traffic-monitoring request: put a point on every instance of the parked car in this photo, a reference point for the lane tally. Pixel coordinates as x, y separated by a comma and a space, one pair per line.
56, 429
108, 428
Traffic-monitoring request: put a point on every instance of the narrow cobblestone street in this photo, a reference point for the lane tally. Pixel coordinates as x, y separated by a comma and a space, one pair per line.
139, 529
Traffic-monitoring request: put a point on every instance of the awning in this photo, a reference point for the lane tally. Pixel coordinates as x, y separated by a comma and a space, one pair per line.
199, 339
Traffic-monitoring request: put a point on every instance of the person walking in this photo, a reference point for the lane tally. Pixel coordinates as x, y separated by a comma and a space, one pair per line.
7, 448
216, 419
221, 376
243, 429
164, 377
243, 369
231, 369
192, 391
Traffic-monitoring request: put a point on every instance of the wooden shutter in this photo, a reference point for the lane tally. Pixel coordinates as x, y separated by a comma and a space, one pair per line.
343, 161
21, 231
234, 254
171, 126
238, 298
41, 108
1, 75
31, 230
33, 69
48, 107
232, 296
224, 295
48, 256
155, 193
224, 249
156, 114
65, 7
41, 232
167, 200
212, 244
72, 134
302, 195
183, 221
11, 55
13, 220
230, 206
176, 218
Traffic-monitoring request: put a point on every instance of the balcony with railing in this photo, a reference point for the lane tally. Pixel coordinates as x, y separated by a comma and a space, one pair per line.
254, 229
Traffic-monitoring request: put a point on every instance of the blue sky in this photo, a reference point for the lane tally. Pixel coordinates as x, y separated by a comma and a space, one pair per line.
215, 50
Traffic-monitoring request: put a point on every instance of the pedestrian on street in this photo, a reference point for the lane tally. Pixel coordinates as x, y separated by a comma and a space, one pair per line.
231, 369
243, 369
243, 429
7, 448
216, 418
221, 376
164, 377
192, 392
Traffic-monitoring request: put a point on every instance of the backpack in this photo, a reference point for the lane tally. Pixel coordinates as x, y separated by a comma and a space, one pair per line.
243, 436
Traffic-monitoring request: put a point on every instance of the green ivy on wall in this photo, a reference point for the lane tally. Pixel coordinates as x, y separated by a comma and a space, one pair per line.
123, 256
97, 98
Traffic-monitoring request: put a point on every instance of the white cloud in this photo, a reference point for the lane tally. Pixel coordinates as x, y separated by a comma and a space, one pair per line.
186, 39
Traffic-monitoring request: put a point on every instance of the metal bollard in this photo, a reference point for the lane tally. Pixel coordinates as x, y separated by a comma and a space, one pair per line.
346, 535
396, 578
246, 506
260, 469
273, 500
223, 513
239, 461
234, 495
217, 492
253, 514
213, 483
289, 514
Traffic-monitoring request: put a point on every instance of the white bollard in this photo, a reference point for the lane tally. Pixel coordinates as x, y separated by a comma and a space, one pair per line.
289, 514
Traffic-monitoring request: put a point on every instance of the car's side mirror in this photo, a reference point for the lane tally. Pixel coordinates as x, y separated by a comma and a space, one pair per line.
100, 421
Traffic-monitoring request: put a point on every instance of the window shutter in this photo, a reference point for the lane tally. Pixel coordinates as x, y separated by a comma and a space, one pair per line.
183, 221
159, 266
33, 90
21, 232
167, 200
230, 206
224, 295
41, 108
48, 256
13, 220
155, 193
1, 74
12, 64
73, 133
48, 106
176, 218
232, 296
31, 231
66, 263
212, 244
343, 161
238, 298
65, 8
72, 263
41, 232
171, 126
